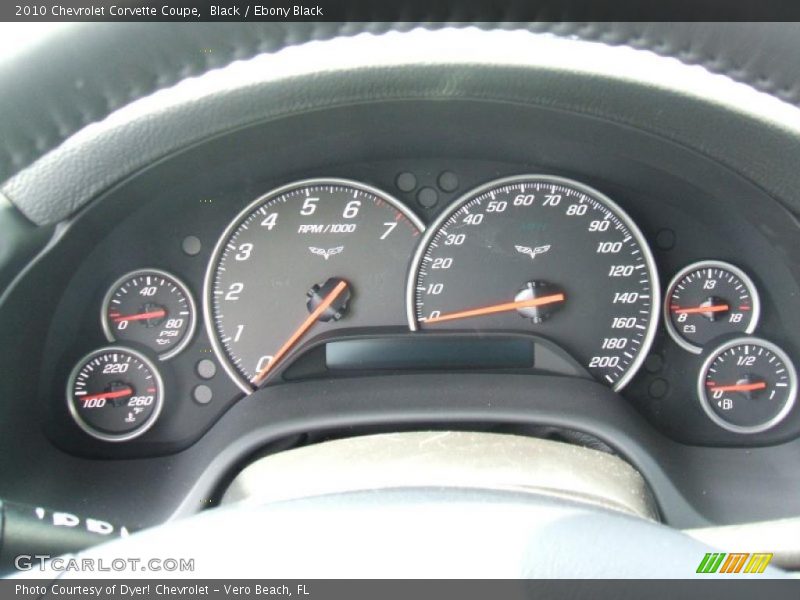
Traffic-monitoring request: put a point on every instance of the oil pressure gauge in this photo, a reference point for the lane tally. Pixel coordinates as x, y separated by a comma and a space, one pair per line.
708, 299
747, 385
152, 308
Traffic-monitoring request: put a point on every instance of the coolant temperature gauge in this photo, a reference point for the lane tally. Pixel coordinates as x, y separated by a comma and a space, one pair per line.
747, 385
114, 394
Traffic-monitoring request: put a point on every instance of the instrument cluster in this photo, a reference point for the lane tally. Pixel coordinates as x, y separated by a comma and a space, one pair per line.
332, 276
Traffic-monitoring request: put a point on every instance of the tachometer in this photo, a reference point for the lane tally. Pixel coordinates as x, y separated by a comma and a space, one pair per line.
315, 255
546, 255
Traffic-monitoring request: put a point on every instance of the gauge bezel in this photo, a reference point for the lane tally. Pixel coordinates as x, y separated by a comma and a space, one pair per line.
108, 437
715, 353
219, 352
655, 309
109, 332
714, 264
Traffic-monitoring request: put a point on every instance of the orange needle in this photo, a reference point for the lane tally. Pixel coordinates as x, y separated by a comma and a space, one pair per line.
744, 387
701, 309
108, 395
141, 316
300, 331
488, 310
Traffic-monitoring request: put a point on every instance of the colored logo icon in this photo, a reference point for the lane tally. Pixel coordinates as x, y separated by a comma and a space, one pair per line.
741, 562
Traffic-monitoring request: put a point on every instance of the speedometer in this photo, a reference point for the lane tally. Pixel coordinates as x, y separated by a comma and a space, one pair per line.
544, 255
305, 259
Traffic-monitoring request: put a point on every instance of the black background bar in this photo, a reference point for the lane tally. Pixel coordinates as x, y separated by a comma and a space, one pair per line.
404, 10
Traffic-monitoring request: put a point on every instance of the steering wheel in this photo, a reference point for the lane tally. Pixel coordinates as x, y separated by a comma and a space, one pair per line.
87, 106
437, 504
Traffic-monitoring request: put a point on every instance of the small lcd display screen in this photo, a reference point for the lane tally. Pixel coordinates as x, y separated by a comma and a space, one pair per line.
429, 353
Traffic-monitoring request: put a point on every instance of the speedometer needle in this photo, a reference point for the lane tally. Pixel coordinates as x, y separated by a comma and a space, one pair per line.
496, 308
300, 331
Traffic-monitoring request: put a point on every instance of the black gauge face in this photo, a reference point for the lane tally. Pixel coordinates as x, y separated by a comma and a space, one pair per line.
747, 385
709, 299
114, 394
544, 255
305, 259
152, 308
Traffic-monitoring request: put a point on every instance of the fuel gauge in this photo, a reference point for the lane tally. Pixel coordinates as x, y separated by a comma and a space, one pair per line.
747, 385
708, 299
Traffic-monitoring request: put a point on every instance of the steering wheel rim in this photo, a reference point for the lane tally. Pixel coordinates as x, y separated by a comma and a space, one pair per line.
50, 95
615, 83
427, 505
413, 533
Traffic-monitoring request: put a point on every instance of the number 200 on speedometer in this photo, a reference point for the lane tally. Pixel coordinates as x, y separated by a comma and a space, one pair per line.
544, 255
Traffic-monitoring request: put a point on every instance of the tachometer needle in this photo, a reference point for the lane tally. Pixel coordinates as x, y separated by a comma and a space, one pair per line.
711, 308
108, 395
153, 314
741, 387
300, 331
496, 308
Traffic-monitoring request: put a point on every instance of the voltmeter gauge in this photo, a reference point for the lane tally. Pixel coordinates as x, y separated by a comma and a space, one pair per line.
115, 394
152, 308
747, 385
709, 299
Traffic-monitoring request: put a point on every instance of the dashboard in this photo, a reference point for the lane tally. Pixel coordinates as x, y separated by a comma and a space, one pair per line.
404, 264
421, 265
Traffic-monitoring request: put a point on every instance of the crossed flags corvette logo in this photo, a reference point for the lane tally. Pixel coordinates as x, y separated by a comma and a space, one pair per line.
326, 254
532, 252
